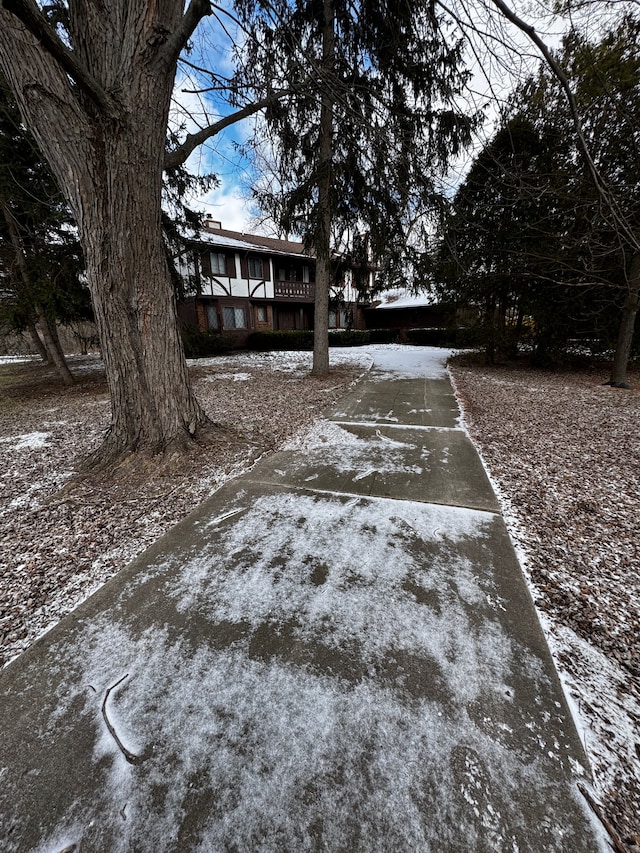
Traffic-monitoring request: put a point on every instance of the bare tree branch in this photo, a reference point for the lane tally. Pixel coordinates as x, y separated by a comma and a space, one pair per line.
30, 16
224, 83
197, 10
130, 756
179, 155
599, 182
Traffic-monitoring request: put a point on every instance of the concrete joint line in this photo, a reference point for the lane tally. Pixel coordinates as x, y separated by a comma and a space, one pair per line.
310, 489
378, 424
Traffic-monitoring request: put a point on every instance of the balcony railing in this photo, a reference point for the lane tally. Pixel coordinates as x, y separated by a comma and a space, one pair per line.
294, 289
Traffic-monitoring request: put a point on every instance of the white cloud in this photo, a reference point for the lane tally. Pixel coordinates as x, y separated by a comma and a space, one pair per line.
227, 204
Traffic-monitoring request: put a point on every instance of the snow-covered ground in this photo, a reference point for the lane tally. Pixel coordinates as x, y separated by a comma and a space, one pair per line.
59, 544
562, 452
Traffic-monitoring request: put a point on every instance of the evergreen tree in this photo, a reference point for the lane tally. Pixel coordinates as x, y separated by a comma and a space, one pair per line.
528, 233
40, 257
369, 123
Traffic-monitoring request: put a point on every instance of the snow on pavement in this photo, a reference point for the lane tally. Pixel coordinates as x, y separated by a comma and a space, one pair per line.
309, 696
406, 362
327, 669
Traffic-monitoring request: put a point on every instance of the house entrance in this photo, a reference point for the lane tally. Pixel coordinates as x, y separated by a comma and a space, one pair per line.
288, 318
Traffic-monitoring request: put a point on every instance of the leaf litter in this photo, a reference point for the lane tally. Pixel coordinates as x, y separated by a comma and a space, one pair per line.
58, 545
563, 454
561, 451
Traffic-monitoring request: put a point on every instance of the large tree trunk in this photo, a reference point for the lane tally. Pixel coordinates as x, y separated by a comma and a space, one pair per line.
133, 298
323, 233
104, 136
621, 356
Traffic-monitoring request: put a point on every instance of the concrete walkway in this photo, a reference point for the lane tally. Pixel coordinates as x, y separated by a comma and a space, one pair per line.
336, 652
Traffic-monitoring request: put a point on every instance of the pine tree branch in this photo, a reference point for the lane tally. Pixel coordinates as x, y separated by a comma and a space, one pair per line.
32, 19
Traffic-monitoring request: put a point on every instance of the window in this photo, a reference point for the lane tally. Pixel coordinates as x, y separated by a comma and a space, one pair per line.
255, 268
212, 317
341, 319
282, 274
234, 318
293, 274
218, 263
305, 273
261, 314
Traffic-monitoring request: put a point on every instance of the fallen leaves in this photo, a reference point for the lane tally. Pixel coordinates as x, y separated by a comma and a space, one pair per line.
564, 454
60, 544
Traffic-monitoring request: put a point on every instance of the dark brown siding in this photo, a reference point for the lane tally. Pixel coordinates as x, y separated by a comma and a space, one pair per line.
419, 317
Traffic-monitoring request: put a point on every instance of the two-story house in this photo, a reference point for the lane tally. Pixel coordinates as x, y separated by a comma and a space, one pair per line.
246, 283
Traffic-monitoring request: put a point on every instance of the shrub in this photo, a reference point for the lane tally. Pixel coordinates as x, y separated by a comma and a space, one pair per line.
199, 344
425, 337
295, 339
384, 336
441, 337
349, 338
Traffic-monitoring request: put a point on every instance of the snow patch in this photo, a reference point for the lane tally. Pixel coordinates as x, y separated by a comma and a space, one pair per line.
235, 377
28, 441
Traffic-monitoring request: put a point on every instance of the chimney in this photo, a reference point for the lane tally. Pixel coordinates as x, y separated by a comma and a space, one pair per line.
212, 224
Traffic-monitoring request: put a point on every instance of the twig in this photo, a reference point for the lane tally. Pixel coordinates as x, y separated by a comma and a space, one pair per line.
597, 809
131, 758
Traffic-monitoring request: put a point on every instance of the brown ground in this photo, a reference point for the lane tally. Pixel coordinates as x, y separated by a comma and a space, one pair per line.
61, 538
563, 451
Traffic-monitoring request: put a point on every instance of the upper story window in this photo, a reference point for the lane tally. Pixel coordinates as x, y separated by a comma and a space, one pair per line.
255, 268
306, 273
218, 263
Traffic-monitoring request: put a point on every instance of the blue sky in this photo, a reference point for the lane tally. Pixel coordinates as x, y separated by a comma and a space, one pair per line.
229, 202
494, 75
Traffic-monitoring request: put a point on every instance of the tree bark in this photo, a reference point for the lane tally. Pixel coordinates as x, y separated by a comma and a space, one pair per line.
103, 129
618, 377
52, 345
323, 235
37, 341
134, 304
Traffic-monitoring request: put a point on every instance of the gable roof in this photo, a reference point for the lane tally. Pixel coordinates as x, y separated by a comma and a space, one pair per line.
240, 240
251, 242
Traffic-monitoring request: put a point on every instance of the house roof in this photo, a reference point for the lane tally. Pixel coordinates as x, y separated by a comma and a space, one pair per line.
404, 299
211, 235
251, 242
